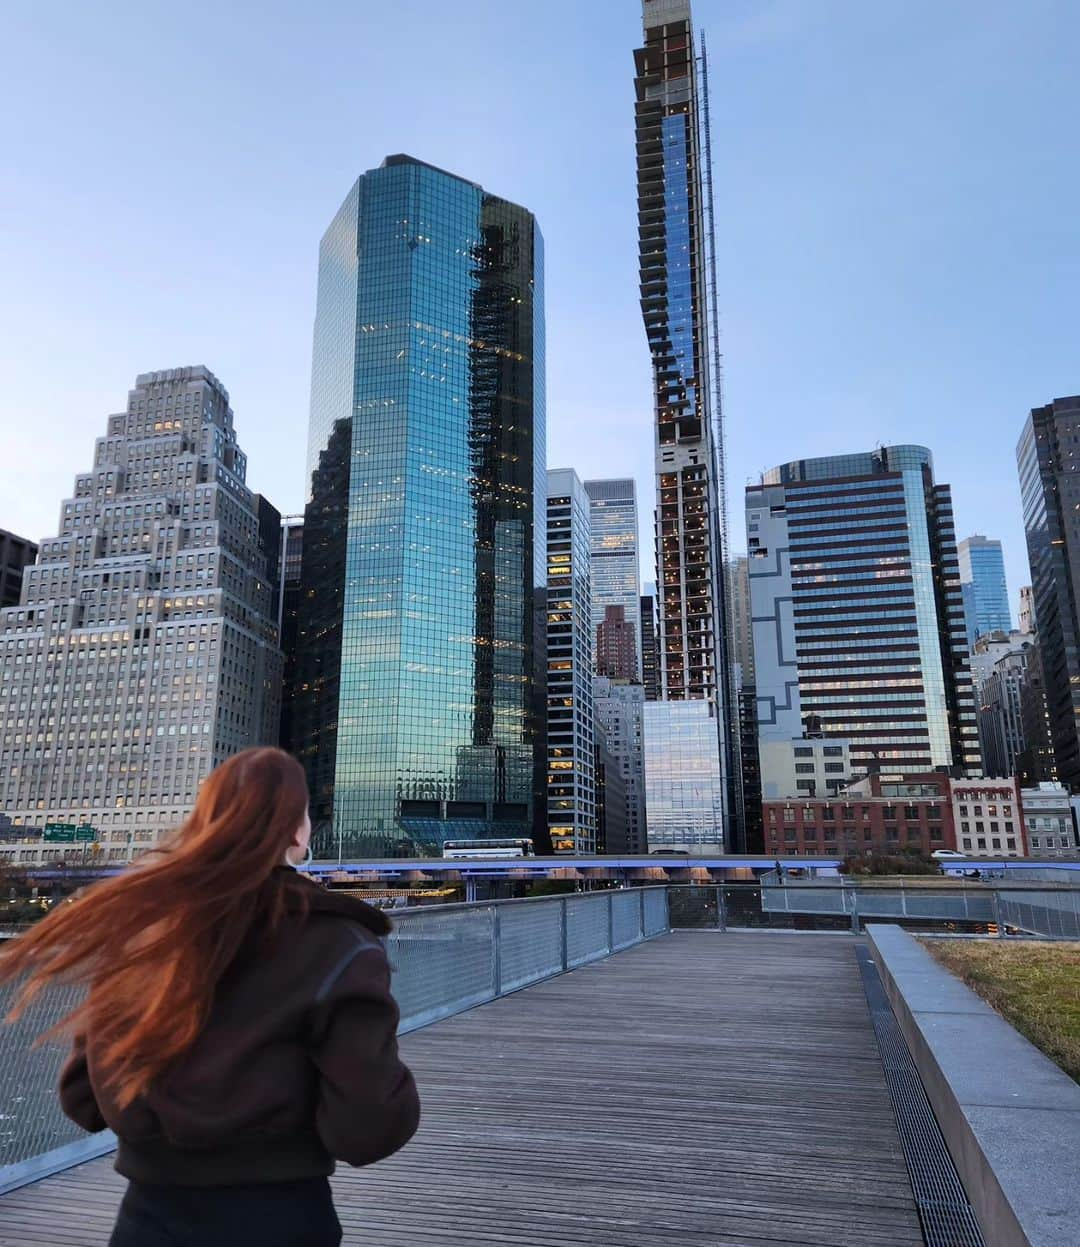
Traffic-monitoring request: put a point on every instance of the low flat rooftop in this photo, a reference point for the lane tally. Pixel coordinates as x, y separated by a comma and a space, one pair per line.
703, 1089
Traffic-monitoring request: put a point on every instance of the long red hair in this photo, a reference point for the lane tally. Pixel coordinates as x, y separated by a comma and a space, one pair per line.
153, 943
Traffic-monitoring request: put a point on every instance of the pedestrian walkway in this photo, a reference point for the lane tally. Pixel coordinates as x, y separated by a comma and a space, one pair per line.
702, 1090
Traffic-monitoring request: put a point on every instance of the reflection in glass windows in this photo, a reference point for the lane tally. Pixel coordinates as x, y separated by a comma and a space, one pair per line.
426, 460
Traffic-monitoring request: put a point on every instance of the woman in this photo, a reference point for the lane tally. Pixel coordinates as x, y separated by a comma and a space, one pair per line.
238, 1034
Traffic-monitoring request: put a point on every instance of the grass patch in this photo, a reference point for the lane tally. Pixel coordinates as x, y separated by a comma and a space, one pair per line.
1034, 986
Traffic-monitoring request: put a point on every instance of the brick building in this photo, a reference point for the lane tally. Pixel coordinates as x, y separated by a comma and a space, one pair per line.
880, 814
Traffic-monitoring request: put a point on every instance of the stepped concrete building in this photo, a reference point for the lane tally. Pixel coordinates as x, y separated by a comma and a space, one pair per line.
143, 650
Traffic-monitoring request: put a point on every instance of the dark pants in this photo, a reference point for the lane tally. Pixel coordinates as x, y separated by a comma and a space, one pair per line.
274, 1214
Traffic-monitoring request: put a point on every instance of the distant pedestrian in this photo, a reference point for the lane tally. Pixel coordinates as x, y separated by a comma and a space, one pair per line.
238, 1035
779, 873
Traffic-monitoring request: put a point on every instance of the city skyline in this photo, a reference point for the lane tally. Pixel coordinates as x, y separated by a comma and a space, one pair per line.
781, 215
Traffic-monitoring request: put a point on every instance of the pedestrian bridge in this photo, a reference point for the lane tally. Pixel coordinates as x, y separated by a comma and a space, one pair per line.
699, 1088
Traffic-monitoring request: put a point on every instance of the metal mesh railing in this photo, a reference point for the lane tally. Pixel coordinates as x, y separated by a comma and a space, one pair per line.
736, 906
1055, 914
588, 930
31, 1123
445, 959
626, 919
442, 962
1050, 912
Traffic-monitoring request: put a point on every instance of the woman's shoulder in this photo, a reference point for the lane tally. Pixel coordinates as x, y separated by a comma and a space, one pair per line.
313, 904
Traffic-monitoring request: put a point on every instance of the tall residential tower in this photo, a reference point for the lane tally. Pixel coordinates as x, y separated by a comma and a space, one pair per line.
677, 303
422, 557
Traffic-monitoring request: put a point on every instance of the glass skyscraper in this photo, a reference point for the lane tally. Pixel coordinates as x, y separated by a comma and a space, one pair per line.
414, 710
858, 621
614, 561
986, 594
1050, 490
677, 283
684, 792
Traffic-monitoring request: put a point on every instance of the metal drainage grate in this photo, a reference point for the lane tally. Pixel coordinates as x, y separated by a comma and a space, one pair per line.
947, 1217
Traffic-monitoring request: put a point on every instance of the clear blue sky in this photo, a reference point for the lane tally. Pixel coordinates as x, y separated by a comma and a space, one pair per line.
897, 189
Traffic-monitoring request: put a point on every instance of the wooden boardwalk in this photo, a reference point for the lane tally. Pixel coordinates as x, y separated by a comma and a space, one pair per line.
702, 1090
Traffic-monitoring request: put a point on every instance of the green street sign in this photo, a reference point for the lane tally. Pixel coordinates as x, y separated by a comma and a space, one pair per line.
69, 833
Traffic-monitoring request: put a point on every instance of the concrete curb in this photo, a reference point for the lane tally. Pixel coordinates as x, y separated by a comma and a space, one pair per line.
1010, 1117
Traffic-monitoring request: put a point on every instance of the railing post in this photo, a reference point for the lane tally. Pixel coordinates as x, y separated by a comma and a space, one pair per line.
997, 915
564, 942
721, 908
496, 949
854, 913
610, 921
641, 913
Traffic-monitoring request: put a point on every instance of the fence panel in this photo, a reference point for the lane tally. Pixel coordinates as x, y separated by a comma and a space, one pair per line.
530, 943
588, 933
694, 907
31, 1122
1055, 914
625, 918
656, 911
443, 962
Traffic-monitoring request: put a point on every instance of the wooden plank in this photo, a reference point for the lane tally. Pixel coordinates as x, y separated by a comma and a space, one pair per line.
704, 1089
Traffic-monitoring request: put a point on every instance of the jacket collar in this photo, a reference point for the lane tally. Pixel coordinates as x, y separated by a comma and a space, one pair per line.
323, 901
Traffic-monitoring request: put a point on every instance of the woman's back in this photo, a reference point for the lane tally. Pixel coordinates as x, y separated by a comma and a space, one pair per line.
238, 1034
296, 1066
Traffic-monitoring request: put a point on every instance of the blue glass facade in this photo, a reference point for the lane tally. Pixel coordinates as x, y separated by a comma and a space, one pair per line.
416, 716
986, 593
684, 790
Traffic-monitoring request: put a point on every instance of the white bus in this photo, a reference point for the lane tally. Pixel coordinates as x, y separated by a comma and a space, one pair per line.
463, 850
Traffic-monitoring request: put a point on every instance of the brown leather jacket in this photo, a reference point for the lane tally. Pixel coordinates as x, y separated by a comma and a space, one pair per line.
297, 1066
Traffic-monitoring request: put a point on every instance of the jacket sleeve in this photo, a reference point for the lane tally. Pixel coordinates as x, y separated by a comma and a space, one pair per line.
368, 1105
77, 1097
